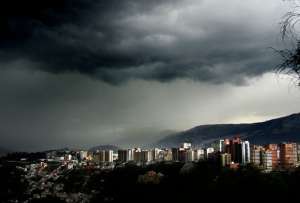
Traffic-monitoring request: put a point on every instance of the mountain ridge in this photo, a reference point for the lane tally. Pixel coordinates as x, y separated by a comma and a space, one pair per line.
271, 131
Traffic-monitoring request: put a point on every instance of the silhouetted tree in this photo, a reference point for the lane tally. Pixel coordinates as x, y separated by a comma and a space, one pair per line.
291, 57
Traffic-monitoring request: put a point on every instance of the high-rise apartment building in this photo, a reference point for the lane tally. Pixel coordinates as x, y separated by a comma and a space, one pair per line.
267, 162
103, 156
298, 153
175, 154
122, 155
199, 154
109, 156
256, 156
234, 147
146, 156
127, 155
166, 155
182, 155
130, 154
209, 153
275, 154
288, 155
190, 155
157, 154
245, 145
137, 155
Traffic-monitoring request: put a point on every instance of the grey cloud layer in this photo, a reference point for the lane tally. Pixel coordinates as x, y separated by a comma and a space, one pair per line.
41, 111
115, 41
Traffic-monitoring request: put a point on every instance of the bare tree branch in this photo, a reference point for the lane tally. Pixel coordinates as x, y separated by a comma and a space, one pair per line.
290, 57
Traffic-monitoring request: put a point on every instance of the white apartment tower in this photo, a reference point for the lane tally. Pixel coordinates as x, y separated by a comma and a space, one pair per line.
245, 152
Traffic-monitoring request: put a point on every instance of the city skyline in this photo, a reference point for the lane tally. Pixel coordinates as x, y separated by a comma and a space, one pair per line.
232, 153
75, 175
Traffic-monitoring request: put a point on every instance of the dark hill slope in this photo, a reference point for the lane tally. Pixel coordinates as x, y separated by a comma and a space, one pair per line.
272, 131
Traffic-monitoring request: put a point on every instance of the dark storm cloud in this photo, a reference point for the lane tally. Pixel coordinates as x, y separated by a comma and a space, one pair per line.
154, 40
142, 42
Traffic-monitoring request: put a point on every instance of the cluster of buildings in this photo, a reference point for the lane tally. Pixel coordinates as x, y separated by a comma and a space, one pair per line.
43, 183
139, 155
270, 157
231, 153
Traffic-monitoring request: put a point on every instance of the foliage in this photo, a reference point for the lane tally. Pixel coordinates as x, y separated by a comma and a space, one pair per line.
12, 185
167, 181
204, 181
74, 182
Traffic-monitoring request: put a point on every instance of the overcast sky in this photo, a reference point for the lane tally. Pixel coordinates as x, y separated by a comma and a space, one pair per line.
85, 72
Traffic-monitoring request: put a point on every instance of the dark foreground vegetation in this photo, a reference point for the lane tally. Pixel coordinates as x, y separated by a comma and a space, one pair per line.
197, 182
